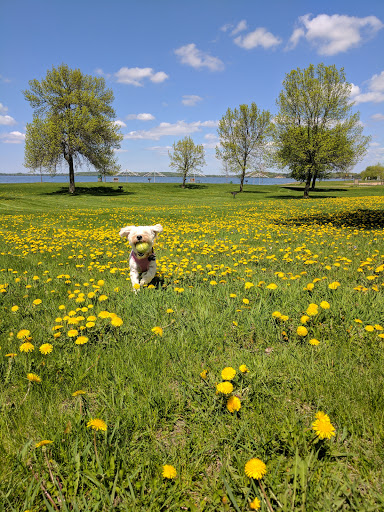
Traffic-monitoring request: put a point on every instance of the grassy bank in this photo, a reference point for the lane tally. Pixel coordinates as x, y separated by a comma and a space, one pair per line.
237, 278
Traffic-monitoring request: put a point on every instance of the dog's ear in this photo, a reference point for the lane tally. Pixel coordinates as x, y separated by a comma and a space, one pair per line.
124, 232
158, 228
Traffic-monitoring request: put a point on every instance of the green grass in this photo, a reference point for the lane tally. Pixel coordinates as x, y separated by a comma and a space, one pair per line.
148, 389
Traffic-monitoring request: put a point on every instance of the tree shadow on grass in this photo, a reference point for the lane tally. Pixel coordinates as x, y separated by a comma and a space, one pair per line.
317, 189
92, 191
362, 218
193, 186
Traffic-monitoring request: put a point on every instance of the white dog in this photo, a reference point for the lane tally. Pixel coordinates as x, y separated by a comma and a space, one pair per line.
142, 264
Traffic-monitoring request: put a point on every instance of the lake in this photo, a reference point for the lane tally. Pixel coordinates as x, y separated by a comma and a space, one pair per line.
63, 178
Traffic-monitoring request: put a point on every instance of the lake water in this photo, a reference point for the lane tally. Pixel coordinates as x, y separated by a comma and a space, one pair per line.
63, 178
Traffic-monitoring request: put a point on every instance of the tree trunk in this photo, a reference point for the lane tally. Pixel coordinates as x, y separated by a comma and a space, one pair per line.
242, 181
72, 188
314, 180
307, 185
184, 178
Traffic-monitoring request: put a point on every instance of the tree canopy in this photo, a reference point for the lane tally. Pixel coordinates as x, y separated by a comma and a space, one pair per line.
72, 122
244, 134
316, 131
373, 172
186, 157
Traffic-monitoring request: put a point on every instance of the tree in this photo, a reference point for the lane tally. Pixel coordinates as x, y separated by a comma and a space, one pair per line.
72, 122
316, 132
243, 133
373, 172
186, 157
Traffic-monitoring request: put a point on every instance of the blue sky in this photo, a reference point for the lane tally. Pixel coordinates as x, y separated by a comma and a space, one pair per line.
176, 66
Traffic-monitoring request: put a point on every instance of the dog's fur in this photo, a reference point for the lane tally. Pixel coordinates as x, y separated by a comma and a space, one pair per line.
142, 266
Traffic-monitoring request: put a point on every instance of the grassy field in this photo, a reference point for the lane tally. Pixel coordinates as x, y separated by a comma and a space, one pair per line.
101, 388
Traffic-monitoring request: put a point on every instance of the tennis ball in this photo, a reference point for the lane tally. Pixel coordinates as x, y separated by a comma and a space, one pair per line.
142, 247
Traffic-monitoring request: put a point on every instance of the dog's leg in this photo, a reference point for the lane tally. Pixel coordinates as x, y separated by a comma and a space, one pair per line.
146, 277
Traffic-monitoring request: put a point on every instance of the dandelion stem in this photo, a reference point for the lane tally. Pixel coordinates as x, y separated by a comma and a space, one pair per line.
94, 444
26, 394
265, 497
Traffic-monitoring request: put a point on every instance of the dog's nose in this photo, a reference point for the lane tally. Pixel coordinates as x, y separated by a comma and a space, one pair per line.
139, 237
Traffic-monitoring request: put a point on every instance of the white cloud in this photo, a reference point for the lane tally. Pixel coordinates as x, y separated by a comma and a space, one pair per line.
179, 129
190, 100
120, 123
192, 56
7, 120
375, 93
161, 150
13, 137
141, 117
3, 109
212, 140
378, 117
259, 37
335, 34
242, 25
136, 76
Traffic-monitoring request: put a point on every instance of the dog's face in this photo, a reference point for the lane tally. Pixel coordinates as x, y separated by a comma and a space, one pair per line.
139, 234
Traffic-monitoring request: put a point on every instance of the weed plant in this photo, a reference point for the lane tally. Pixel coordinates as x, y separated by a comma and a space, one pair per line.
101, 387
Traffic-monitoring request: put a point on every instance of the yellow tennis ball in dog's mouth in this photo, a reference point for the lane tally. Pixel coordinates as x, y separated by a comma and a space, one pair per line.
142, 247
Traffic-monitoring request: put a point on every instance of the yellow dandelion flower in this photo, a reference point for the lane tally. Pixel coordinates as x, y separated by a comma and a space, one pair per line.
243, 368
232, 295
224, 388
228, 373
255, 504
284, 318
43, 443
24, 333
255, 468
72, 333
276, 314
46, 348
304, 319
169, 310
100, 282
358, 321
79, 392
248, 285
97, 424
271, 286
36, 302
378, 327
169, 472
204, 374
369, 328
103, 314
324, 304
314, 342
81, 340
245, 301
323, 428
116, 322
233, 404
32, 377
14, 309
102, 298
312, 310
12, 354
90, 324
26, 347
136, 286
334, 285
320, 415
157, 330
302, 331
